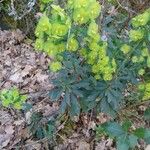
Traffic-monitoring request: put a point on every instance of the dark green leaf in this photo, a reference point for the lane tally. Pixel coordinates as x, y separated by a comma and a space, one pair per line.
63, 106
86, 105
82, 84
126, 125
75, 107
122, 145
112, 100
27, 106
133, 140
93, 96
107, 108
147, 136
147, 140
55, 94
117, 93
50, 130
114, 129
147, 114
78, 93
147, 133
110, 96
67, 97
140, 132
39, 133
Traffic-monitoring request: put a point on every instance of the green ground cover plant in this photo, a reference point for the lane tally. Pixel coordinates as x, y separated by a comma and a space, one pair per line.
12, 98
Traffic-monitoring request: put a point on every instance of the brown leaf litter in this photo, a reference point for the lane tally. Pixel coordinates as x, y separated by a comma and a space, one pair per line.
23, 67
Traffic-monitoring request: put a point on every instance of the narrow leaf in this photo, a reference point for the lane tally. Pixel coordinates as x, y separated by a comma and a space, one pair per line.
147, 114
55, 94
122, 145
140, 132
114, 129
63, 107
75, 107
133, 140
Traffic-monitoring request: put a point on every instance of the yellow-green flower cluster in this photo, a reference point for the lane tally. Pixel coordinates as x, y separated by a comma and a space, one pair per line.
141, 72
102, 67
134, 59
96, 54
12, 98
138, 22
72, 44
145, 56
93, 32
55, 66
80, 8
145, 88
51, 32
59, 29
44, 26
142, 19
148, 62
51, 29
136, 35
54, 36
125, 48
140, 60
46, 1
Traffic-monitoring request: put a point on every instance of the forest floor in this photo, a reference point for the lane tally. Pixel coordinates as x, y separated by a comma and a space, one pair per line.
21, 66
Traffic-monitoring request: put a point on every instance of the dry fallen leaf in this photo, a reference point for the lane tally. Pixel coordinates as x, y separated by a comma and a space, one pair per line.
28, 117
41, 77
5, 118
102, 118
9, 129
33, 145
148, 147
6, 142
16, 77
6, 137
18, 122
100, 146
26, 70
83, 145
91, 125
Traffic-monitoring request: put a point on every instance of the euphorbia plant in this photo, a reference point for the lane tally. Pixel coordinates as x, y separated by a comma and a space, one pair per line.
12, 98
70, 34
74, 29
